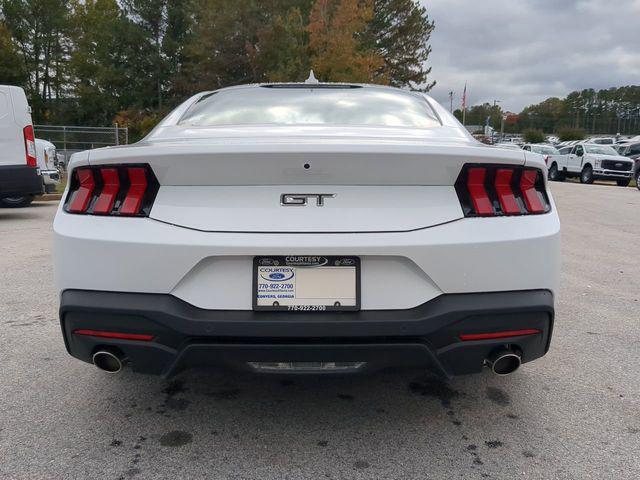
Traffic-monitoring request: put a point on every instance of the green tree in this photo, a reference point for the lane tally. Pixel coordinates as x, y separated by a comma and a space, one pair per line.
39, 31
109, 62
163, 27
533, 135
12, 70
543, 116
400, 31
567, 134
218, 52
281, 53
478, 114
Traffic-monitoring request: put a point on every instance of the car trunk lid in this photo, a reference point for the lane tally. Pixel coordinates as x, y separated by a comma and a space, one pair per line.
382, 182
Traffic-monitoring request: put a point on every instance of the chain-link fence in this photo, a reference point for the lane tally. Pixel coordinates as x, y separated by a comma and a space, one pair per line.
70, 139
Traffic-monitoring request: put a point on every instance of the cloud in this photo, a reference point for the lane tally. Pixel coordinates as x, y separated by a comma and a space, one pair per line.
523, 51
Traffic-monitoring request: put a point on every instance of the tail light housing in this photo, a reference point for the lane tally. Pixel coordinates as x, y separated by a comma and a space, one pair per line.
487, 190
114, 190
30, 146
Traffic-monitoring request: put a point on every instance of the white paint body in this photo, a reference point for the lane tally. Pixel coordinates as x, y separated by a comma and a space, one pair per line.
14, 116
395, 207
573, 164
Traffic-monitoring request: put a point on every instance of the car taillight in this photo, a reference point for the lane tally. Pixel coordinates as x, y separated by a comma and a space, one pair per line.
497, 190
30, 146
546, 159
117, 190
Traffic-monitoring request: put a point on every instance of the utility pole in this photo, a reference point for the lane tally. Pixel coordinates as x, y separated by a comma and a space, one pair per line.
451, 101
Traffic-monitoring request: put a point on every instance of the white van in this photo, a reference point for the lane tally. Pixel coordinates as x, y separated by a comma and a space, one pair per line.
46, 154
20, 178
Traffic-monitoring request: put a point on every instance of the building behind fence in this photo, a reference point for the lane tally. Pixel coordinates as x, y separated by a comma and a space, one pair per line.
70, 139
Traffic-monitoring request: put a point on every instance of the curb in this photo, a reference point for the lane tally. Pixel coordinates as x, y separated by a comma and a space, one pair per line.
49, 197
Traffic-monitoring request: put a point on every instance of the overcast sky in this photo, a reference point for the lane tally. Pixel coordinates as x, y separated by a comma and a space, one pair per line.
523, 51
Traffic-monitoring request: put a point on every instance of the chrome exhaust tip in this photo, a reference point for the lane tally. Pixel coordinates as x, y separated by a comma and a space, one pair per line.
504, 362
108, 361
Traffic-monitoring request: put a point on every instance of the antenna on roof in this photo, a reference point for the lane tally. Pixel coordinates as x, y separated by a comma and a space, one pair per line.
312, 78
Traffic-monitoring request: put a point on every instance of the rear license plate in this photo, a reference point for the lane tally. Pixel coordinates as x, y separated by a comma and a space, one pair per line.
306, 283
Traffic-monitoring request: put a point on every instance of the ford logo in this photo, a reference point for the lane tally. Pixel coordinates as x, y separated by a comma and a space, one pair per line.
276, 274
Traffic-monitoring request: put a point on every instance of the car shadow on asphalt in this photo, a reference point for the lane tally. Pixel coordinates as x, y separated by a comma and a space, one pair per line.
318, 409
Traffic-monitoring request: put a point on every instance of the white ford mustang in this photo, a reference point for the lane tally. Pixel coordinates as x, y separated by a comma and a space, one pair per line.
329, 228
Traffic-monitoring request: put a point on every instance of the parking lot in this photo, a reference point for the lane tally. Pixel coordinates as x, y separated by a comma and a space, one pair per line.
572, 414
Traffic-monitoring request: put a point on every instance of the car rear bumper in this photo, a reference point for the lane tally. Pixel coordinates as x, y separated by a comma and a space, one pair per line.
19, 180
427, 336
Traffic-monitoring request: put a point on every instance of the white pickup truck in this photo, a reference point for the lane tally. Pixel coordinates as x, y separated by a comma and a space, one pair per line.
591, 162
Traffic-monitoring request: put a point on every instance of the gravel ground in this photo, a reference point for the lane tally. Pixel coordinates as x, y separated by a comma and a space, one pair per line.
572, 414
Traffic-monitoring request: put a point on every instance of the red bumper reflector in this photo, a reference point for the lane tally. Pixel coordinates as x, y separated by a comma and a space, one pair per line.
82, 196
479, 197
507, 199
107, 197
120, 336
133, 200
529, 192
488, 336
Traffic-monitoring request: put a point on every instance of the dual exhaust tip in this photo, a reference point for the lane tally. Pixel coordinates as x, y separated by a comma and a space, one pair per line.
504, 362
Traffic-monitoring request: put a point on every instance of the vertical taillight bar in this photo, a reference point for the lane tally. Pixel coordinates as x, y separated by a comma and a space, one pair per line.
138, 186
81, 197
477, 192
507, 199
30, 146
529, 192
110, 188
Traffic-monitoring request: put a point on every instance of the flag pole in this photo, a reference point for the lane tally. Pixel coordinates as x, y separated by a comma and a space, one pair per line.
464, 105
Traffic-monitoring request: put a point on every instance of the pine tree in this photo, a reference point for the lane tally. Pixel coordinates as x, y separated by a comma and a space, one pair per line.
400, 32
12, 70
281, 53
38, 30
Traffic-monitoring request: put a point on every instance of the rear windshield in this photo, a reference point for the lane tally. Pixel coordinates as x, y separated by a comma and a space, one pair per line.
600, 149
545, 150
311, 106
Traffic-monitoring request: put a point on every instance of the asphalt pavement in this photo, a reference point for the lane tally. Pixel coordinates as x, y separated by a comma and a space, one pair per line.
574, 414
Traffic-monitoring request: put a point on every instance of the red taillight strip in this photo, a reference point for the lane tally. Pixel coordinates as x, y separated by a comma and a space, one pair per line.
116, 335
111, 185
133, 200
30, 146
529, 192
488, 336
490, 190
479, 197
81, 197
507, 199
114, 190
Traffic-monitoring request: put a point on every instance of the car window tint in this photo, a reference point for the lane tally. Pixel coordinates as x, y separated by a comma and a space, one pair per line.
308, 106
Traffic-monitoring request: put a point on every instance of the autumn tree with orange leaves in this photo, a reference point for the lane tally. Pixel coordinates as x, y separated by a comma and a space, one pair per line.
335, 29
132, 61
